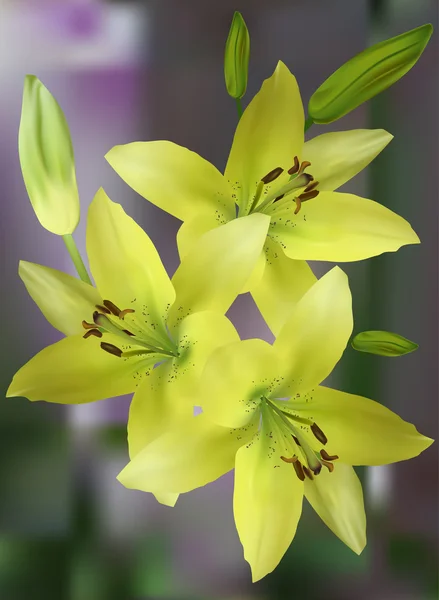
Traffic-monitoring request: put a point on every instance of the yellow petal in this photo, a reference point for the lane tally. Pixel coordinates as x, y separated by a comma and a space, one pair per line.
191, 231
173, 178
267, 502
337, 498
217, 267
361, 431
75, 370
190, 455
269, 135
338, 156
168, 394
284, 281
64, 300
167, 499
125, 264
314, 337
340, 228
234, 379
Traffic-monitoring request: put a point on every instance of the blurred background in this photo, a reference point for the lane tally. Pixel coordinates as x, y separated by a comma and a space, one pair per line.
125, 71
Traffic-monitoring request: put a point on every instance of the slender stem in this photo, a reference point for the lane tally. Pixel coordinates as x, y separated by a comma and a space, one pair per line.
76, 257
308, 123
239, 107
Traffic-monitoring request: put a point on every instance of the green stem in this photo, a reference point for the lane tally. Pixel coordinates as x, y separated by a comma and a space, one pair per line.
308, 123
239, 107
76, 257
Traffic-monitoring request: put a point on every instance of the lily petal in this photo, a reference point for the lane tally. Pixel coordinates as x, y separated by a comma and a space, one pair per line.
234, 379
267, 503
284, 281
75, 371
314, 337
187, 456
125, 264
269, 135
338, 156
337, 498
64, 300
173, 178
361, 431
340, 228
217, 267
191, 231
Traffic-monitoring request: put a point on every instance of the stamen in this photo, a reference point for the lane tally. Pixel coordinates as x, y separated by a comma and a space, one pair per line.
279, 198
309, 195
90, 332
112, 307
326, 456
312, 186
272, 175
291, 460
299, 470
294, 169
303, 166
127, 332
124, 312
328, 465
307, 472
298, 204
318, 433
103, 309
296, 440
111, 349
88, 325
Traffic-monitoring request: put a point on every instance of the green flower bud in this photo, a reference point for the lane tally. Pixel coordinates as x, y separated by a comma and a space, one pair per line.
383, 343
236, 57
367, 74
46, 158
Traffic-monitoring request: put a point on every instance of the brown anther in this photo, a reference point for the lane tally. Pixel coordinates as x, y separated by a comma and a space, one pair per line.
318, 433
326, 456
286, 459
299, 470
124, 312
294, 169
272, 175
296, 440
96, 316
303, 166
328, 465
298, 204
103, 309
111, 349
316, 470
307, 472
90, 332
279, 198
309, 195
112, 307
128, 332
311, 186
88, 325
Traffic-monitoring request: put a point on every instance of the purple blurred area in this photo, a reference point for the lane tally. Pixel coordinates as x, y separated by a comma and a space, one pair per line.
126, 71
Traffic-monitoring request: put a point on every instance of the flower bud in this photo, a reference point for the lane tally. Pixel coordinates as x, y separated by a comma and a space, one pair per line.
46, 158
383, 343
236, 57
367, 74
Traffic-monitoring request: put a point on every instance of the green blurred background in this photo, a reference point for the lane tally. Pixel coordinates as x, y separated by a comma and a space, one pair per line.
125, 71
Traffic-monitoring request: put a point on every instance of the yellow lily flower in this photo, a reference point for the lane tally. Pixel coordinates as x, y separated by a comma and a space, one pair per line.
266, 414
271, 170
136, 317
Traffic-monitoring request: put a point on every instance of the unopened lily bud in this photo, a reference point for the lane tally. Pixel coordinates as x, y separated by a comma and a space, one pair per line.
383, 343
46, 158
236, 57
367, 74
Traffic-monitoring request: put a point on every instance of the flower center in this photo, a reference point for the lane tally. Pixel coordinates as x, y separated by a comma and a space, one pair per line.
139, 338
306, 459
300, 188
